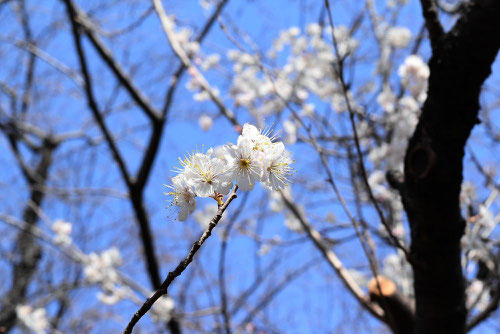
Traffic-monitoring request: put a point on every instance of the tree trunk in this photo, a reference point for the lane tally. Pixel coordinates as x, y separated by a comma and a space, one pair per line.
460, 63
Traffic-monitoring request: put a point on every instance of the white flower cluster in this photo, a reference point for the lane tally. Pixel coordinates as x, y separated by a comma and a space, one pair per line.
399, 270
481, 224
34, 319
184, 36
414, 74
398, 37
62, 230
307, 71
255, 158
101, 269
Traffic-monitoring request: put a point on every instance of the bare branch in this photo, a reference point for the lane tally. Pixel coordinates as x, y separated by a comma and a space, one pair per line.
81, 20
163, 290
431, 16
168, 27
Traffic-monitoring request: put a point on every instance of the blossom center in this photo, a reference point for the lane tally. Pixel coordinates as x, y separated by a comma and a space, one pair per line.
244, 163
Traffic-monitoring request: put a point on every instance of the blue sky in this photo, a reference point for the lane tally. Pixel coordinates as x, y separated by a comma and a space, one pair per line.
315, 302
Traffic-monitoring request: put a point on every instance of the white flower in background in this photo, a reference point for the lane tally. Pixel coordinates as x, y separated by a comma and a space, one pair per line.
203, 216
292, 222
290, 130
34, 319
376, 182
100, 268
261, 139
393, 3
205, 122
386, 99
477, 295
414, 74
162, 309
62, 230
399, 270
112, 293
308, 110
263, 249
468, 193
314, 29
245, 163
277, 167
183, 196
206, 174
210, 61
398, 37
294, 32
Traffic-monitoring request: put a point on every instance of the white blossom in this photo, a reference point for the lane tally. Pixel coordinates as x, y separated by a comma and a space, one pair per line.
399, 37
245, 163
205, 122
477, 295
277, 167
290, 130
62, 230
386, 99
256, 157
34, 319
206, 174
210, 61
203, 216
414, 74
100, 268
183, 196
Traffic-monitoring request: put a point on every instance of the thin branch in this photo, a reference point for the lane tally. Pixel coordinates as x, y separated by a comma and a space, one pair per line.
90, 95
271, 293
364, 175
182, 67
163, 290
335, 263
168, 28
81, 20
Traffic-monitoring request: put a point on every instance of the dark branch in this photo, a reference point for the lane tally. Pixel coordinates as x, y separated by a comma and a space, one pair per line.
163, 290
431, 16
81, 20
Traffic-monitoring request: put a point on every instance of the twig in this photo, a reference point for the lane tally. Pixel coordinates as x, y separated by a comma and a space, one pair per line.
168, 27
163, 290
343, 84
335, 262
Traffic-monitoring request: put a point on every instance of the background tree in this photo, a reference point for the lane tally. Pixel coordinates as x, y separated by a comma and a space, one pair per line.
379, 101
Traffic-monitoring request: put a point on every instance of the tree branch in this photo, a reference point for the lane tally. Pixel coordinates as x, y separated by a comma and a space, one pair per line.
163, 290
81, 20
431, 16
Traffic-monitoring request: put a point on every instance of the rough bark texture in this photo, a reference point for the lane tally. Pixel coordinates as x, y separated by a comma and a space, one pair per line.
460, 63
